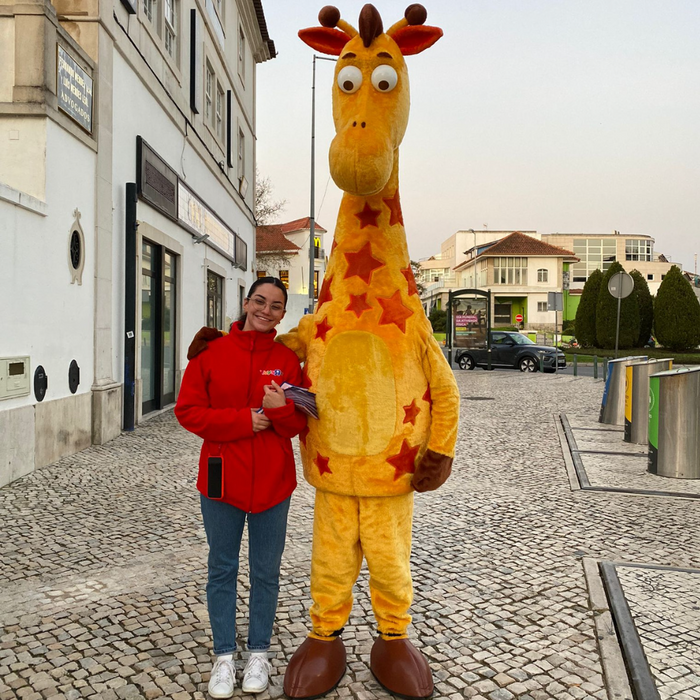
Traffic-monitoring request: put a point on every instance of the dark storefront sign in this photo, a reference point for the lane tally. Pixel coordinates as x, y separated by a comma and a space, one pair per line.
74, 90
161, 187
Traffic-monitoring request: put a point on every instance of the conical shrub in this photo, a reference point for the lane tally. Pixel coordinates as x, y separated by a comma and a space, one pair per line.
585, 314
646, 307
677, 313
606, 315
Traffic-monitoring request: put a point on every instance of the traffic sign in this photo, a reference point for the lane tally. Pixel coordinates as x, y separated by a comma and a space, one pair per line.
519, 318
620, 285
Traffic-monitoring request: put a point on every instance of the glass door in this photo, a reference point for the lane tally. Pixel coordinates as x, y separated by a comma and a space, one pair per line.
158, 326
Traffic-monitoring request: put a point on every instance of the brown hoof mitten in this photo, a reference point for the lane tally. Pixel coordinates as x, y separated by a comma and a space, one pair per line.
401, 669
432, 471
201, 340
315, 668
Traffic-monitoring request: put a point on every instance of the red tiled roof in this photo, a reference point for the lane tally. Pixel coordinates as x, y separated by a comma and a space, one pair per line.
519, 244
270, 239
300, 225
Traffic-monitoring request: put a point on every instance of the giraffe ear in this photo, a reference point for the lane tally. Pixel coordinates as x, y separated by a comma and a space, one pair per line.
324, 39
416, 38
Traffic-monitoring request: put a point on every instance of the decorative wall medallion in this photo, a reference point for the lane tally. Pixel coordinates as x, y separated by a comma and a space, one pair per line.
76, 250
73, 377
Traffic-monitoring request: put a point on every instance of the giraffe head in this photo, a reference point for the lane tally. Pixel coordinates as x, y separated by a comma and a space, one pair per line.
370, 92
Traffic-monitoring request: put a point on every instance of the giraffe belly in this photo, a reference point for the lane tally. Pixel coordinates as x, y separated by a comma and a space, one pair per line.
356, 395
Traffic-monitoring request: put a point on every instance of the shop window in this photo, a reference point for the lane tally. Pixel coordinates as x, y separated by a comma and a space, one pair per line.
284, 278
215, 300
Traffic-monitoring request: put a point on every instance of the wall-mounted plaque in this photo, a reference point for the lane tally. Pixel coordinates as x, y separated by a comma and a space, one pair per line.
74, 90
156, 181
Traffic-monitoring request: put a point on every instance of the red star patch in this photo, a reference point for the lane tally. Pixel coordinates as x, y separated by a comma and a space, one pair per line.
322, 464
362, 263
404, 462
322, 329
412, 412
303, 434
358, 304
408, 274
325, 294
395, 208
427, 397
368, 216
394, 311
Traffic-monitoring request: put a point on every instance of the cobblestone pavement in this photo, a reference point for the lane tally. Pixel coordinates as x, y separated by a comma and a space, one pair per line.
104, 563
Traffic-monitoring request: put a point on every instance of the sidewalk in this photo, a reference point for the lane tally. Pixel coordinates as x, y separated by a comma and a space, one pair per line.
104, 565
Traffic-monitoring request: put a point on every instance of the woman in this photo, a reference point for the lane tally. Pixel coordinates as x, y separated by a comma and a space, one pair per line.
231, 398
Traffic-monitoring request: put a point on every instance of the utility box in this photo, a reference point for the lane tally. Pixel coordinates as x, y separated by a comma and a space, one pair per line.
14, 377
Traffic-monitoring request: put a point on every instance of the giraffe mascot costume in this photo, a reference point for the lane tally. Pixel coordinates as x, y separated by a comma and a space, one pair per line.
387, 400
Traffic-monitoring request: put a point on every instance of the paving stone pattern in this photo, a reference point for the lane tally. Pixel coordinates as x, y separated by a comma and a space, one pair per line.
104, 563
665, 606
615, 470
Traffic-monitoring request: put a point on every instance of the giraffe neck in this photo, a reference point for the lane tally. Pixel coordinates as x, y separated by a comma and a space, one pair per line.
375, 219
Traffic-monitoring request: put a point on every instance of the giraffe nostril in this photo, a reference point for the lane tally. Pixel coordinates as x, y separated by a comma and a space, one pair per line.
363, 125
354, 123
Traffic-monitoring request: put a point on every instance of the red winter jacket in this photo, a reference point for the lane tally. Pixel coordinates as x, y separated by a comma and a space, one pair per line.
219, 387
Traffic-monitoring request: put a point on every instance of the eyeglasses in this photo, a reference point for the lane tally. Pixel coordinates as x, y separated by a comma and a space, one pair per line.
260, 303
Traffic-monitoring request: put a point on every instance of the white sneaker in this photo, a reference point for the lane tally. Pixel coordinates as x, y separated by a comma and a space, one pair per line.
255, 673
223, 678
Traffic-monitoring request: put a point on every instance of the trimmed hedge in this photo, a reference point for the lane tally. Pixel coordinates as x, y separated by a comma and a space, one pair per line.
585, 314
606, 315
646, 307
677, 313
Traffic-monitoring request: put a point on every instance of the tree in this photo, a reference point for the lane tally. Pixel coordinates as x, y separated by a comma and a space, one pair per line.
265, 208
646, 307
438, 320
585, 314
677, 313
606, 315
416, 268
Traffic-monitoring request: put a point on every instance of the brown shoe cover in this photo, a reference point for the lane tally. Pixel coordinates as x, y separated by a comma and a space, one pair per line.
315, 668
401, 669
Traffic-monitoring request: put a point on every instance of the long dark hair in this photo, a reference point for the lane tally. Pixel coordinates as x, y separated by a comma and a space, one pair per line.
265, 280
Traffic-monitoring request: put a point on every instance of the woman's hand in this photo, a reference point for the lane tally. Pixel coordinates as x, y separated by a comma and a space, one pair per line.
274, 396
260, 421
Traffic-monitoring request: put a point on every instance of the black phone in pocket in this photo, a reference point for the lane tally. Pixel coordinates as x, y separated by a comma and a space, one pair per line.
215, 478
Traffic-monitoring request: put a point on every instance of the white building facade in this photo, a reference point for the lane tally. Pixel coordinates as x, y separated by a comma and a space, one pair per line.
127, 162
282, 250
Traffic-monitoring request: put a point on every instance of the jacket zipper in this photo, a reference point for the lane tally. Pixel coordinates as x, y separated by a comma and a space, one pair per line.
252, 445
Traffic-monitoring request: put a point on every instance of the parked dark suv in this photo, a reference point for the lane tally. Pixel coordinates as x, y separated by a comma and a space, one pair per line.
510, 349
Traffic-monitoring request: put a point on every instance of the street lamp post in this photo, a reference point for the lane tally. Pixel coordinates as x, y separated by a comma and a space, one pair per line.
312, 206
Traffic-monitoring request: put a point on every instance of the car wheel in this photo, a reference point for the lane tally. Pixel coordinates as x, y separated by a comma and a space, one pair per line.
528, 364
466, 362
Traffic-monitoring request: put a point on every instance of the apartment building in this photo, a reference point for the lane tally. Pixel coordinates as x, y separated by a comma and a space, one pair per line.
127, 162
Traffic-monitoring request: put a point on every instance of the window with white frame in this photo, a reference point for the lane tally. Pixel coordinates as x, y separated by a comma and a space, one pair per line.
241, 53
639, 250
150, 10
593, 254
219, 116
541, 306
510, 270
543, 275
208, 92
170, 27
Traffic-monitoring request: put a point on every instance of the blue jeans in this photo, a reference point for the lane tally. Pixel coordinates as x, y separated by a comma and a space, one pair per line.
267, 530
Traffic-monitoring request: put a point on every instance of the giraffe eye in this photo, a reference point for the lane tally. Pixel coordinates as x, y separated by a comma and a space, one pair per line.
350, 79
384, 78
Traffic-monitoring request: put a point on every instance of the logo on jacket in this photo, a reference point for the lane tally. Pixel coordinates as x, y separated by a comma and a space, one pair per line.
273, 372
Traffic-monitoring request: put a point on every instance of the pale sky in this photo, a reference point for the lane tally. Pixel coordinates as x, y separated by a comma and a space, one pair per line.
548, 115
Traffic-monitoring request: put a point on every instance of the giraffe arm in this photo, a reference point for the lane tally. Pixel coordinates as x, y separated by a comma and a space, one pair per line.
435, 465
297, 340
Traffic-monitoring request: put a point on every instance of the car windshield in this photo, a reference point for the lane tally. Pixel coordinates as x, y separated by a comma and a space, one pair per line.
520, 339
